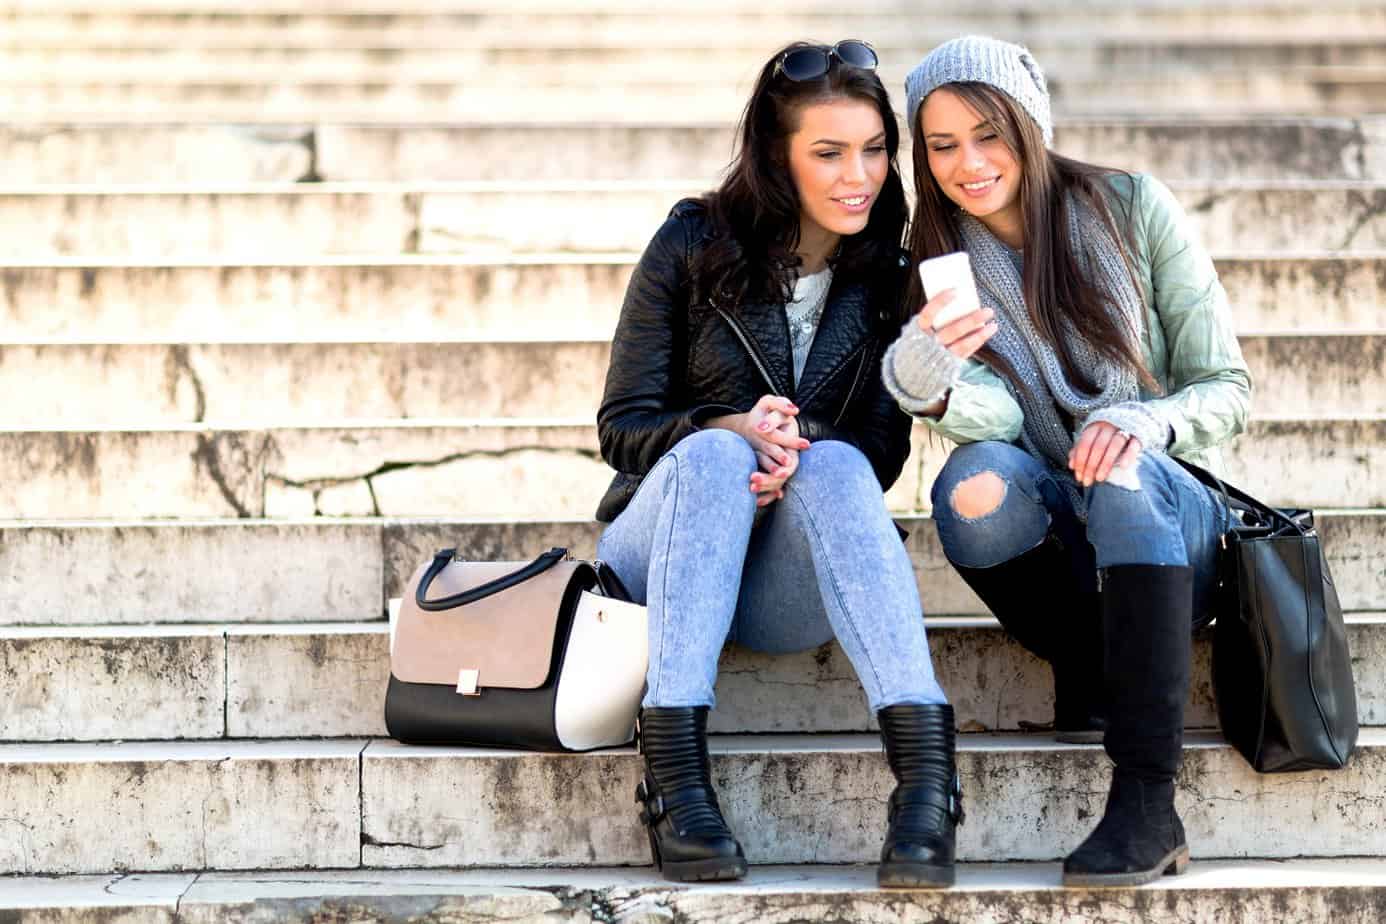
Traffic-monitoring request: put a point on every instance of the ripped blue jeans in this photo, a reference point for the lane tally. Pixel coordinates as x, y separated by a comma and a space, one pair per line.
823, 562
1154, 513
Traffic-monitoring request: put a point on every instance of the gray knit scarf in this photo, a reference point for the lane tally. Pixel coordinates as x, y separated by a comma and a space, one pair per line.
1044, 388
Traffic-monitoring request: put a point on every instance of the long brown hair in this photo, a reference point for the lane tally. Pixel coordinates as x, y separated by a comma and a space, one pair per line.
755, 212
1058, 295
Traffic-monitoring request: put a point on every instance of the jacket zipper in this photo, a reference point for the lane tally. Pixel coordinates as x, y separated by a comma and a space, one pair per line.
750, 348
852, 392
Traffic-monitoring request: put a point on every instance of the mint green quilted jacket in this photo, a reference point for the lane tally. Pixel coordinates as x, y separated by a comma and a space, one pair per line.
1189, 343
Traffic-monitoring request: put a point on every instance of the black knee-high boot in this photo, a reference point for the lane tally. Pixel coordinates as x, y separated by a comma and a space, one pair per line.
689, 837
1066, 633
926, 806
1147, 613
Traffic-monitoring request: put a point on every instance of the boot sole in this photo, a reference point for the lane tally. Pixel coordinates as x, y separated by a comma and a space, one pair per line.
1080, 737
715, 870
1174, 863
914, 876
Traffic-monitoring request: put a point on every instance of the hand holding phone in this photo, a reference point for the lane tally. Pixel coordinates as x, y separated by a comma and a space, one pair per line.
951, 271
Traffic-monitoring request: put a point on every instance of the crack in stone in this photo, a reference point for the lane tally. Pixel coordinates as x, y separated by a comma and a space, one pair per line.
25, 840
385, 468
176, 366
368, 840
207, 457
1360, 141
413, 204
1374, 208
310, 142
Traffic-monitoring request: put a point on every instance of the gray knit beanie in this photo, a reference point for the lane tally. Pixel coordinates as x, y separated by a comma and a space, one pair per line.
977, 58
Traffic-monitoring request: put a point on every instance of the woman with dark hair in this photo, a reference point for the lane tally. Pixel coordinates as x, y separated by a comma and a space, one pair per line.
1103, 345
753, 441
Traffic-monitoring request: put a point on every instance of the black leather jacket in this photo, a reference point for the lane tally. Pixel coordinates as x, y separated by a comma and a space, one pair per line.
672, 368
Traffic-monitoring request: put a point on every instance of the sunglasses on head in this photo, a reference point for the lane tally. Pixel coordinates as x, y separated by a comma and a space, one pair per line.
813, 61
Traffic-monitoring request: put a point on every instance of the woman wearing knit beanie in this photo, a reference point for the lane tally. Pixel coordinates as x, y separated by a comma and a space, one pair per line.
753, 442
1103, 345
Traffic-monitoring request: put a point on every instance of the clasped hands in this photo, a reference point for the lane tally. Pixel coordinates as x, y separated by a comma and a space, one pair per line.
772, 430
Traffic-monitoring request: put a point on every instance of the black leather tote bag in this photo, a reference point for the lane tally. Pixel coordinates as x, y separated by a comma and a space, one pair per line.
1282, 673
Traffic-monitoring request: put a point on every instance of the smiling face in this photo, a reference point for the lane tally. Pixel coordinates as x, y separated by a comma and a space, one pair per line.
972, 164
838, 162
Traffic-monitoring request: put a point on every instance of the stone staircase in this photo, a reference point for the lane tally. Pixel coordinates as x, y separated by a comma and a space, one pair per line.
297, 291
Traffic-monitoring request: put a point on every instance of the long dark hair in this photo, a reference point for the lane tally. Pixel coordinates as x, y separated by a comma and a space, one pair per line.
755, 211
1061, 299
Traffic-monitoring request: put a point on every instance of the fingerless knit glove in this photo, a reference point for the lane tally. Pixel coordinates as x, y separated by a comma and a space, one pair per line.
917, 369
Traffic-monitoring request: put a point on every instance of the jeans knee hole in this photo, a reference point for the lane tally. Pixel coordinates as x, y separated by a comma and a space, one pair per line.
978, 496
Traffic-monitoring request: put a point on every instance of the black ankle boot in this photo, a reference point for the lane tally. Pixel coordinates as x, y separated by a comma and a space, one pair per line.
926, 806
688, 836
1147, 613
1068, 635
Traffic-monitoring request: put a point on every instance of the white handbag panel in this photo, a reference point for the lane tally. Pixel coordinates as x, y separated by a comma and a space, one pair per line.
603, 674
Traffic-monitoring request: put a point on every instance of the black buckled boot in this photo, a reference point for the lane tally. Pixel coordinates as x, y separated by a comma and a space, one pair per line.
1147, 611
1067, 634
926, 806
689, 837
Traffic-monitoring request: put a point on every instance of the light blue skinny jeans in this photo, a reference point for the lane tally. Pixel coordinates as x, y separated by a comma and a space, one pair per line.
824, 562
1162, 516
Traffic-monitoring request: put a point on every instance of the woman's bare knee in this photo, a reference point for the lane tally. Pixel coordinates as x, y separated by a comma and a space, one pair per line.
978, 495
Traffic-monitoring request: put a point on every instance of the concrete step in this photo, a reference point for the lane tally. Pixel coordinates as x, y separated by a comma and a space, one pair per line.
297, 804
738, 25
84, 808
161, 151
1308, 91
1269, 148
820, 799
301, 680
89, 573
126, 151
513, 468
504, 218
1213, 892
596, 66
225, 385
560, 296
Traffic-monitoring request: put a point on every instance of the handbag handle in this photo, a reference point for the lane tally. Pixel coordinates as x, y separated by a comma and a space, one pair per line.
444, 556
1229, 494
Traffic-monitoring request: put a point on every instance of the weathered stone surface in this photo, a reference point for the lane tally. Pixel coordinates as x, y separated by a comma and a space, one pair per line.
1215, 892
306, 681
516, 469
85, 573
154, 153
256, 97
255, 222
92, 684
541, 297
73, 808
822, 800
1312, 293
107, 899
140, 384
308, 220
1247, 215
144, 384
1270, 149
593, 66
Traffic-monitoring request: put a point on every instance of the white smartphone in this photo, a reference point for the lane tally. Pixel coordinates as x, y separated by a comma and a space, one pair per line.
950, 271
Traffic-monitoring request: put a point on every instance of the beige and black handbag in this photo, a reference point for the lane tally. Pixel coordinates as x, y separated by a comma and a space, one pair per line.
547, 655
